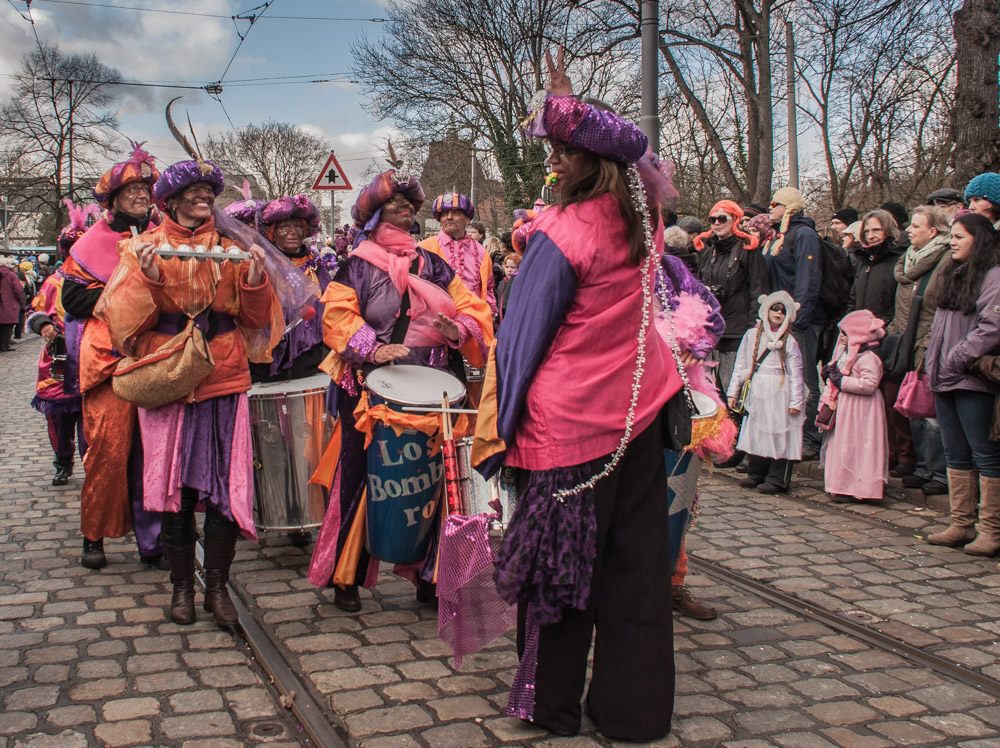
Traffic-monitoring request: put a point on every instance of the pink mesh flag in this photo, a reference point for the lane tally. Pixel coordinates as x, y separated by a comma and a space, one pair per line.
471, 612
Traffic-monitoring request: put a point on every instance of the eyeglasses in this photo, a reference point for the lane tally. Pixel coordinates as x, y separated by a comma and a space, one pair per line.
718, 219
135, 189
291, 228
942, 202
561, 151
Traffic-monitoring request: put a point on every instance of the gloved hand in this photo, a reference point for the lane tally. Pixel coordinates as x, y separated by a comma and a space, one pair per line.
835, 376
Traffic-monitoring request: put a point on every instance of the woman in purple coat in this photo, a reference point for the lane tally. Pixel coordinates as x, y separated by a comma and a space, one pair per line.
967, 326
11, 303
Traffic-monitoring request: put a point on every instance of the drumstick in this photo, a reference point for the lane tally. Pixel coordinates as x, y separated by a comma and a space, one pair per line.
446, 417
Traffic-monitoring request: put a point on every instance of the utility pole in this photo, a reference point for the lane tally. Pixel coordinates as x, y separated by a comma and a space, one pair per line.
472, 190
6, 223
71, 193
649, 25
793, 130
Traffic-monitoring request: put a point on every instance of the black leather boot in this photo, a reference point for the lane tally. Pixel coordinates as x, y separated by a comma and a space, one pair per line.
220, 549
93, 554
64, 469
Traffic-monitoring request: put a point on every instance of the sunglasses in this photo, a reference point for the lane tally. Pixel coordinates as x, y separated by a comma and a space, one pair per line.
775, 205
718, 219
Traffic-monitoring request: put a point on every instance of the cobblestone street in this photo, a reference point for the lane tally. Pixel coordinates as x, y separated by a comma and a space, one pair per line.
90, 659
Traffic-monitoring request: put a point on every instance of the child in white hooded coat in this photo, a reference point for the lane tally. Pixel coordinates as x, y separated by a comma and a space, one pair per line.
772, 430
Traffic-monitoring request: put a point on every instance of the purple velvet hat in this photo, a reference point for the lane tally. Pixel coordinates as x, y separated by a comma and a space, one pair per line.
291, 206
452, 201
585, 126
140, 167
367, 209
182, 175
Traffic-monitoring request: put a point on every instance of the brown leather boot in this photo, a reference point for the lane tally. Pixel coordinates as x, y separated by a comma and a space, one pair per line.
962, 497
220, 549
987, 541
686, 605
182, 575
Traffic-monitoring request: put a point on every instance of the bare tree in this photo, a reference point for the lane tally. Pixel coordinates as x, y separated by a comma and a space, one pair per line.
57, 120
879, 79
976, 124
477, 66
282, 158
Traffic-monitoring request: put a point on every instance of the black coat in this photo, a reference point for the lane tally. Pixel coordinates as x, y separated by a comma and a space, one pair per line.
875, 280
737, 277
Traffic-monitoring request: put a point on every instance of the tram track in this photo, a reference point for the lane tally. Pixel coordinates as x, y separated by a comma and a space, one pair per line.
845, 625
294, 697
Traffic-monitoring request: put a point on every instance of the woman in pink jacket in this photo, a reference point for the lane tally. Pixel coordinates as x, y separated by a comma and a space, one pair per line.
579, 379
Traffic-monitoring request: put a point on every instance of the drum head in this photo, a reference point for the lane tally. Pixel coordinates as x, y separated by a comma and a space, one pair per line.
314, 382
705, 406
415, 385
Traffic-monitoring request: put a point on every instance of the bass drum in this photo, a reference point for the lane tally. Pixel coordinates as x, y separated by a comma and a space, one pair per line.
405, 482
290, 427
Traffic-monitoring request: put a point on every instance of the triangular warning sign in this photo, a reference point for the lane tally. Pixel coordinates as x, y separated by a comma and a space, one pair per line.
332, 177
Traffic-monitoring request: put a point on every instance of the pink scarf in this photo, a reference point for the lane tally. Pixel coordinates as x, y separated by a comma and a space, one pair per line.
392, 250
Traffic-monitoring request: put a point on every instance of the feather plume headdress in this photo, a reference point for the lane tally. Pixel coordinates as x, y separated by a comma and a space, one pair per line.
183, 174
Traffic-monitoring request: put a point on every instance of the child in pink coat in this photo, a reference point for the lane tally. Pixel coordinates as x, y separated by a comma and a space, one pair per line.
855, 454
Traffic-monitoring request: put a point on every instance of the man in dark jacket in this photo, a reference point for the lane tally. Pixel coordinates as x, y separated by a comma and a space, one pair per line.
794, 265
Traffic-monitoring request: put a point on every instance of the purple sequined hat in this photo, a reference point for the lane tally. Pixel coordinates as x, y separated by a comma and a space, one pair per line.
183, 174
452, 201
140, 167
245, 210
585, 126
291, 206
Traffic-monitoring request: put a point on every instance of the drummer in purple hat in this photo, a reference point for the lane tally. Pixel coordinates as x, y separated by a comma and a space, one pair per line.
290, 224
367, 325
466, 256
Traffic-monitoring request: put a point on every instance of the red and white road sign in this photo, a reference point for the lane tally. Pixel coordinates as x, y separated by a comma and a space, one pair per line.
332, 177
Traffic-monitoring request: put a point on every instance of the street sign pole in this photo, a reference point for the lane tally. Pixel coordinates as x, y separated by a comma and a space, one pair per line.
6, 223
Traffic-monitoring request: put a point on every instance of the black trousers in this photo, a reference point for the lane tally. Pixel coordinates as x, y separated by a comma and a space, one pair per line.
767, 470
631, 693
6, 330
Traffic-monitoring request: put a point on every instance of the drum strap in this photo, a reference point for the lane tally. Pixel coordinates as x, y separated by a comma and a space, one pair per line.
403, 320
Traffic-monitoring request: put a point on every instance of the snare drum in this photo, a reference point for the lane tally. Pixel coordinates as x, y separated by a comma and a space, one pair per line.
478, 492
404, 481
290, 428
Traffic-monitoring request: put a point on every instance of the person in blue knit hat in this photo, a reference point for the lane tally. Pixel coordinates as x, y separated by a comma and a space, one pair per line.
983, 196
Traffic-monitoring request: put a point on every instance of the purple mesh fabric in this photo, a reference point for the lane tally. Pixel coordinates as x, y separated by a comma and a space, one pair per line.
548, 552
471, 613
183, 174
521, 701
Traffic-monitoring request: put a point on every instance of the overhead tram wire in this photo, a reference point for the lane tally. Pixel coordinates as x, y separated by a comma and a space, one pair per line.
139, 9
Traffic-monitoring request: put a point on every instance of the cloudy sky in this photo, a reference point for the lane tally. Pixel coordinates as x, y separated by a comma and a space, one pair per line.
193, 43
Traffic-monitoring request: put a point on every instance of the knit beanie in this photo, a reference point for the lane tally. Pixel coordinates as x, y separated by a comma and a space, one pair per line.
848, 215
897, 211
985, 186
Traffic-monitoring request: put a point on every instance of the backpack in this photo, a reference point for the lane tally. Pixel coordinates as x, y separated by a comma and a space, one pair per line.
838, 276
